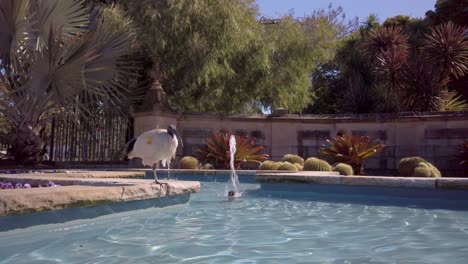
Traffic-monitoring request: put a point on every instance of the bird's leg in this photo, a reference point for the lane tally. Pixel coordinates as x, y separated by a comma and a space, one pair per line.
155, 166
161, 184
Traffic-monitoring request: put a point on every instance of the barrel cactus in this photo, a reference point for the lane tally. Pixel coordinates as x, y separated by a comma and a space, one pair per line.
189, 163
291, 158
269, 165
299, 166
287, 166
208, 166
343, 169
314, 164
435, 172
408, 164
418, 167
422, 171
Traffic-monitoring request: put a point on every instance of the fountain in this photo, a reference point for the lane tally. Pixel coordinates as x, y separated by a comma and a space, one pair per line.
233, 184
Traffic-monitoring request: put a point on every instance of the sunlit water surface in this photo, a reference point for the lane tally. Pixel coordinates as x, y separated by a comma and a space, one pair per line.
256, 228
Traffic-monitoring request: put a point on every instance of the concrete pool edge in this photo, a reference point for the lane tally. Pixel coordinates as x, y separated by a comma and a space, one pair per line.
331, 178
376, 181
82, 192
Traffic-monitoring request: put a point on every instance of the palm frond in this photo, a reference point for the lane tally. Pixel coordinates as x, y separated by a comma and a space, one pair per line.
71, 17
15, 26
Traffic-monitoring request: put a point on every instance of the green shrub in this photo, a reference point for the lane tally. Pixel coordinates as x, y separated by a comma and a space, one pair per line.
189, 163
208, 166
417, 167
299, 166
314, 164
287, 166
291, 158
343, 169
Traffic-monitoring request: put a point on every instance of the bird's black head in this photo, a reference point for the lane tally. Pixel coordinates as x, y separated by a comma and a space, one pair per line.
172, 129
173, 132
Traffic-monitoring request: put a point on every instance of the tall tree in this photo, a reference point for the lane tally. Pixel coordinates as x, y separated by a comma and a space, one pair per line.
216, 56
209, 52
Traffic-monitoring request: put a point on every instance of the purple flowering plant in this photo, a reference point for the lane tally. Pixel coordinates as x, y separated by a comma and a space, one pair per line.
10, 185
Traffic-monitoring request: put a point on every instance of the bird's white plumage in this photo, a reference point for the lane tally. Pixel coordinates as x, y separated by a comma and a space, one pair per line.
154, 146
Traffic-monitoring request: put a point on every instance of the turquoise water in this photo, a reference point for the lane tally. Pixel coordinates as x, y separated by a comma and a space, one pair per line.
261, 227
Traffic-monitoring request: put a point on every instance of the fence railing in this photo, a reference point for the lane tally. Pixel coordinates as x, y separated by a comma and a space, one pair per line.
100, 141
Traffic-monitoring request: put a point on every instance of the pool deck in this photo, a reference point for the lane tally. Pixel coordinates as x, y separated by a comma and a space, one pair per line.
84, 189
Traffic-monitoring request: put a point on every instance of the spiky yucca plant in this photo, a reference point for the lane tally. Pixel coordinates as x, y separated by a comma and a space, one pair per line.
452, 101
383, 39
57, 57
447, 48
217, 152
352, 150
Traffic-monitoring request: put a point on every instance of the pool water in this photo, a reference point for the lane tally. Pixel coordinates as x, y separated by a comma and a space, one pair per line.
259, 227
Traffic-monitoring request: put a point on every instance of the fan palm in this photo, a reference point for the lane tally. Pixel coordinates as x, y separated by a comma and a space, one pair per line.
56, 57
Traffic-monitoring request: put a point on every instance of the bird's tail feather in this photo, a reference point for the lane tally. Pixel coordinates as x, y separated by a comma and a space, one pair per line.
129, 147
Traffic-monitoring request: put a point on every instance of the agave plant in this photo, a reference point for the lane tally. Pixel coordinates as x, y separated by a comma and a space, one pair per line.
217, 151
353, 150
56, 57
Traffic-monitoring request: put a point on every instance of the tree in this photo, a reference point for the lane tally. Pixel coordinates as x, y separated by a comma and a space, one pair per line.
57, 58
449, 10
325, 29
209, 52
216, 56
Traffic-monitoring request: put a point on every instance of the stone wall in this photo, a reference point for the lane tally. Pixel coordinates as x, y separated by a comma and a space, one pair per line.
434, 136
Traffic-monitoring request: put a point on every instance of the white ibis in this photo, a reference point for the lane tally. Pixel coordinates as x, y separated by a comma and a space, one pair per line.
154, 146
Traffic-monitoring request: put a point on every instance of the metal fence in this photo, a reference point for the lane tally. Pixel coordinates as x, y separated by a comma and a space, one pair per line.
101, 141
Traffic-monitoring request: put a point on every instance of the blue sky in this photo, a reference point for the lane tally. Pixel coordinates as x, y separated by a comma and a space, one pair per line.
352, 8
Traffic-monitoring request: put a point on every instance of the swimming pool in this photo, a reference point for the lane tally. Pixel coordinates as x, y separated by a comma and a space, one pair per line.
279, 225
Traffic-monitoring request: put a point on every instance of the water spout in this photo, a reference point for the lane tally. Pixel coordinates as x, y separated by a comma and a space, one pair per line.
233, 184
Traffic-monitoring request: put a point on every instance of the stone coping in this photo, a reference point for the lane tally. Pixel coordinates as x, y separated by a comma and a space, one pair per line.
378, 181
78, 192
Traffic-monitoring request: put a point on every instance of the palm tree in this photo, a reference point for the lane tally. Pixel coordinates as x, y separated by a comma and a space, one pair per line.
57, 57
446, 47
